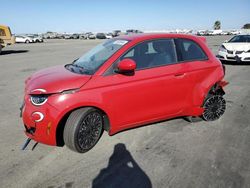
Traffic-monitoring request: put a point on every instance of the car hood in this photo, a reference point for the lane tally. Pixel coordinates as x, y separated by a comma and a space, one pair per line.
237, 46
54, 80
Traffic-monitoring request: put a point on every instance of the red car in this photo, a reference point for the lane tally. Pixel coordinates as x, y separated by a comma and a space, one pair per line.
123, 83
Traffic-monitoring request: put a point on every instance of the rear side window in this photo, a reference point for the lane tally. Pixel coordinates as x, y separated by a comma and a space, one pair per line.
2, 32
189, 50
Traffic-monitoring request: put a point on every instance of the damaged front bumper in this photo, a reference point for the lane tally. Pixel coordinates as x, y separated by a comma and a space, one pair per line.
43, 131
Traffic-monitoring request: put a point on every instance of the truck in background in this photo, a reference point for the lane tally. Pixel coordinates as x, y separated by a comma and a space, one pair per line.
6, 37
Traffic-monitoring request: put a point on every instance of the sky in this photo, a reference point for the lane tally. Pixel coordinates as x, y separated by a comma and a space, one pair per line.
38, 16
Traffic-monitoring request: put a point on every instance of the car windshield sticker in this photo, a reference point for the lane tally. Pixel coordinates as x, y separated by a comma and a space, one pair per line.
120, 42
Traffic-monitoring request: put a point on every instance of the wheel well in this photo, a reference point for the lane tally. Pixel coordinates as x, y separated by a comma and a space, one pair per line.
62, 122
216, 89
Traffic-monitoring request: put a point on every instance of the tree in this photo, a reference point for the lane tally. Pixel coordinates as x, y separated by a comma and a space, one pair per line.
217, 25
246, 26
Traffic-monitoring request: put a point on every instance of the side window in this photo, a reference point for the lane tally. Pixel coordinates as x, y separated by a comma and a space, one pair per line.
130, 54
189, 50
2, 32
153, 53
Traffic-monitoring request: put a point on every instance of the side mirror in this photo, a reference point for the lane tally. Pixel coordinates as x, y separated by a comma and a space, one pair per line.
226, 41
126, 66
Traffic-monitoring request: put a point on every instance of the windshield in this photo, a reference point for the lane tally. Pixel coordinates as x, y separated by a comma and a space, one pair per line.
241, 38
92, 60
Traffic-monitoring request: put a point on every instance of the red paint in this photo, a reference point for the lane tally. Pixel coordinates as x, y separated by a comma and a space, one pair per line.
147, 96
127, 65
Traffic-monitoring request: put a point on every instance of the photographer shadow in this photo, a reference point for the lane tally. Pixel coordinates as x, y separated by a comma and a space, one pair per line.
122, 172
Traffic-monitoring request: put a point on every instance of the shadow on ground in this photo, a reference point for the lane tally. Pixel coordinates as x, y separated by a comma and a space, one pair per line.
122, 172
7, 52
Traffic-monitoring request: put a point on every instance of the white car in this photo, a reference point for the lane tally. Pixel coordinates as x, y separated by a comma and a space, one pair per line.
236, 49
24, 39
36, 38
109, 36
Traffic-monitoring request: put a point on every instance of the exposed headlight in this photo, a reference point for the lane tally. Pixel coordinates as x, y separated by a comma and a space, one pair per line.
222, 48
38, 100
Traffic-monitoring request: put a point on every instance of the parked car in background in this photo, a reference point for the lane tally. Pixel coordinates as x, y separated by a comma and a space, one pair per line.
123, 83
83, 36
24, 39
234, 32
116, 33
132, 31
201, 32
74, 36
66, 36
6, 37
109, 36
236, 49
225, 33
100, 36
50, 35
214, 32
36, 38
91, 36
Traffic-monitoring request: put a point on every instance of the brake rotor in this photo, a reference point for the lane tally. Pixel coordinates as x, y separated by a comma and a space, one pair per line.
214, 107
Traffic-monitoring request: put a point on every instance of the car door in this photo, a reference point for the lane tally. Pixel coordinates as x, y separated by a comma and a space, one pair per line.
197, 65
156, 90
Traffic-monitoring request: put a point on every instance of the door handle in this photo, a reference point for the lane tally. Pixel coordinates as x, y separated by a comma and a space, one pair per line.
180, 75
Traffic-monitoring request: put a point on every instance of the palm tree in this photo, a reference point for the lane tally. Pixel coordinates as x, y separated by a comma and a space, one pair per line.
217, 25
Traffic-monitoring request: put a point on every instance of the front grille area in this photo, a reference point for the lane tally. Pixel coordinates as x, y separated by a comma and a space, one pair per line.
238, 52
232, 58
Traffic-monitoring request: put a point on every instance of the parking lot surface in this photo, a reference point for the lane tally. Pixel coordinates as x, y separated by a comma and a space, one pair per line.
173, 153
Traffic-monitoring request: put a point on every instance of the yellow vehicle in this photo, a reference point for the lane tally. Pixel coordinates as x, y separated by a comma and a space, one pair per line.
6, 37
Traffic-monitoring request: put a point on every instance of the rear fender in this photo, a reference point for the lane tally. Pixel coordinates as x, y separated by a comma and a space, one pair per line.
201, 92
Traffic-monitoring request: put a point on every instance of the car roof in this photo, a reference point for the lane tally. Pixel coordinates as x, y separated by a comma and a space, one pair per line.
146, 36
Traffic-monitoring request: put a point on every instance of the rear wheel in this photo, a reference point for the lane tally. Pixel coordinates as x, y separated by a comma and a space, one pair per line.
83, 129
214, 107
27, 41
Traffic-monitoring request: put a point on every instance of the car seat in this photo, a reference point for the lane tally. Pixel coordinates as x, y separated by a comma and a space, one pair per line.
164, 54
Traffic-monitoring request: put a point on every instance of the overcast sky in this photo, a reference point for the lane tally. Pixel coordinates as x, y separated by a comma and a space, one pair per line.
31, 16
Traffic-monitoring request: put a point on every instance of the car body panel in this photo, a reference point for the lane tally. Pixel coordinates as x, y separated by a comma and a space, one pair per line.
55, 79
147, 96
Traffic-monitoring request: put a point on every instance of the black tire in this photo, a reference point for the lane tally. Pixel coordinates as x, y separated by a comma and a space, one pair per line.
83, 129
214, 107
27, 41
0, 48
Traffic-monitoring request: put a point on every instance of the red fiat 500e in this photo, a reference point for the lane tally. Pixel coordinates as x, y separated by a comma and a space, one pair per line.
123, 83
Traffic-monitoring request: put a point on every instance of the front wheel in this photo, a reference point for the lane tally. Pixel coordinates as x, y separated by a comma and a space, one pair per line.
83, 129
214, 107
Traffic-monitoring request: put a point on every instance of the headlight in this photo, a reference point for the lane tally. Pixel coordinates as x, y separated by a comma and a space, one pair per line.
222, 48
38, 100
